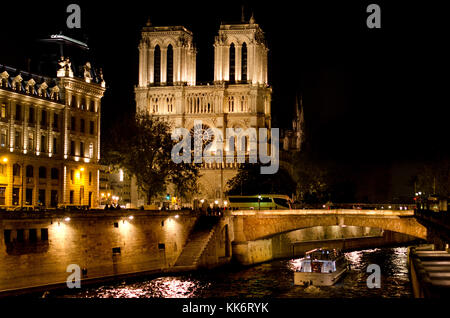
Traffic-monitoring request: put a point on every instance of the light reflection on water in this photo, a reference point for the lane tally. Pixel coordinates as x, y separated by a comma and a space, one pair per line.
272, 279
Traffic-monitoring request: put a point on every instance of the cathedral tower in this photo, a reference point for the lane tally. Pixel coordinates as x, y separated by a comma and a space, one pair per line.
240, 54
166, 56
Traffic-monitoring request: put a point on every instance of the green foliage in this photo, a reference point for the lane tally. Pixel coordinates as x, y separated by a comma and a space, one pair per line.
142, 146
250, 181
322, 181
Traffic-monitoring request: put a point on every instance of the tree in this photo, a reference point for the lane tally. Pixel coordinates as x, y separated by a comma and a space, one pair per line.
250, 181
320, 181
142, 146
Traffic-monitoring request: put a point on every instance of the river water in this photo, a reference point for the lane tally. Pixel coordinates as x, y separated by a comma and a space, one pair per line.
272, 279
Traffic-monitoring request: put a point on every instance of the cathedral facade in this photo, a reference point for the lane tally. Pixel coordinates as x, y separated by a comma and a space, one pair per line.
239, 96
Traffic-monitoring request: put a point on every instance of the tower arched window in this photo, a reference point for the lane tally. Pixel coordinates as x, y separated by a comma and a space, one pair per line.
232, 62
169, 65
244, 62
157, 65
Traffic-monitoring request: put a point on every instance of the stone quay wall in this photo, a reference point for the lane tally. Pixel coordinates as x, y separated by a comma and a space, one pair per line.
35, 250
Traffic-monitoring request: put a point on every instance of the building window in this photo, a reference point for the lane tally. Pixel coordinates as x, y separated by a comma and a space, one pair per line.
3, 169
29, 196
71, 195
55, 121
41, 198
18, 112
157, 65
81, 149
20, 235
91, 127
232, 62
72, 148
90, 177
44, 234
3, 138
71, 176
82, 125
30, 141
31, 118
16, 170
42, 172
44, 118
91, 150
73, 123
92, 108
55, 146
18, 140
54, 173
15, 196
170, 65
43, 143
3, 112
244, 62
29, 171
54, 198
73, 102
2, 195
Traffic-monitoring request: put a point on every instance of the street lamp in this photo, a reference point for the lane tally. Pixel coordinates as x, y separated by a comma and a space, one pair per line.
259, 202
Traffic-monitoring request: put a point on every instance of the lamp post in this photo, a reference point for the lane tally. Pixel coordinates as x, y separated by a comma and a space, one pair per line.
259, 202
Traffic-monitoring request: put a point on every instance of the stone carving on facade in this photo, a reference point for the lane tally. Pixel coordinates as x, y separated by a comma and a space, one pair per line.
87, 72
65, 69
4, 79
17, 82
100, 75
42, 90
54, 93
30, 86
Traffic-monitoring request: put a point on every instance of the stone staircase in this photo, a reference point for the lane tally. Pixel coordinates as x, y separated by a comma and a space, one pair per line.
196, 244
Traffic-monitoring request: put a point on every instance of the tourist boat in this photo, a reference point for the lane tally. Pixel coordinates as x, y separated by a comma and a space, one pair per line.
320, 267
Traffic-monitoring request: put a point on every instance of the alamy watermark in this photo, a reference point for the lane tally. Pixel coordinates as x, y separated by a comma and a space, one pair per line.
74, 19
210, 146
74, 279
374, 279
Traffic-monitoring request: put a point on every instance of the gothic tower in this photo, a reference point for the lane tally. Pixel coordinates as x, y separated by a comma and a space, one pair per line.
239, 96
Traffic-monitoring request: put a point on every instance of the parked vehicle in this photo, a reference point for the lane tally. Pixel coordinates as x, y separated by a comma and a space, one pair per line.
259, 202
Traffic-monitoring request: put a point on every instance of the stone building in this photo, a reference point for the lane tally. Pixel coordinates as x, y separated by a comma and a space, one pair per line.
239, 96
49, 137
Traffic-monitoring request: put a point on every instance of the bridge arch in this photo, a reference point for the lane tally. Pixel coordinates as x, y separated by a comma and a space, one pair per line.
255, 225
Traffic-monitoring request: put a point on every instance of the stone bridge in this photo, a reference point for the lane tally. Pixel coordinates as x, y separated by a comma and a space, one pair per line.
255, 225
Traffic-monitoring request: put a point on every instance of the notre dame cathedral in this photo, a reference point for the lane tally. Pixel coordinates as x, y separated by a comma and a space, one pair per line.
239, 96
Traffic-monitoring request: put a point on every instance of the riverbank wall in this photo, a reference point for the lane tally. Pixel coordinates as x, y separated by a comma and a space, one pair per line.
36, 250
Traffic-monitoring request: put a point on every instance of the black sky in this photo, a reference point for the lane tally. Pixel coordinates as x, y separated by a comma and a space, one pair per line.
371, 96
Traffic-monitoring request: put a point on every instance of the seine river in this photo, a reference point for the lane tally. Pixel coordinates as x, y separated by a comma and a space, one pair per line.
271, 279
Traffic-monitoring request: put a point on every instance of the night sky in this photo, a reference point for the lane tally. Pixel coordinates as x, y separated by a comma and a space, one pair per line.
372, 97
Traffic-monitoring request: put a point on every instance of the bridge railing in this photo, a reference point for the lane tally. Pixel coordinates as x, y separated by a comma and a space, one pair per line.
356, 206
306, 212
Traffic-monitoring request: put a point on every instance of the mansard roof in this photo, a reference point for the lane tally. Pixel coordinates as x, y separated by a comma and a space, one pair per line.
28, 83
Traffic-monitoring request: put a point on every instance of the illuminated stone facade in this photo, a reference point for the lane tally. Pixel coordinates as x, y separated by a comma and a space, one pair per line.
49, 138
239, 96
